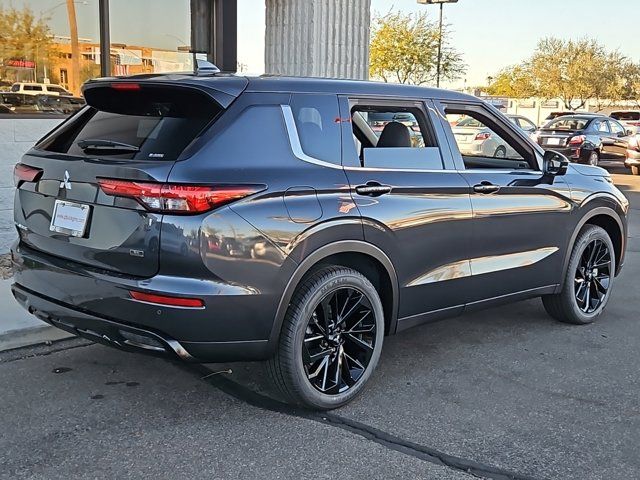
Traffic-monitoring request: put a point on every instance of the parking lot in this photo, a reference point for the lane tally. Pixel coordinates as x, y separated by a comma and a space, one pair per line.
505, 393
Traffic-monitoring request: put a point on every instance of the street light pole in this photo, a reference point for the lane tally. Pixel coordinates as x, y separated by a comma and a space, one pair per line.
439, 65
439, 48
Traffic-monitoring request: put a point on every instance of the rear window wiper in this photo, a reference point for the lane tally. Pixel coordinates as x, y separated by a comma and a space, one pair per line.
107, 145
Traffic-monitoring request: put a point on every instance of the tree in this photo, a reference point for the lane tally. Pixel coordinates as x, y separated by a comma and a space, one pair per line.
515, 82
404, 49
574, 71
24, 37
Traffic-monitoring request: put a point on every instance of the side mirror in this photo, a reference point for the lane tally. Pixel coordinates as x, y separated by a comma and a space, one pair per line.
554, 163
629, 133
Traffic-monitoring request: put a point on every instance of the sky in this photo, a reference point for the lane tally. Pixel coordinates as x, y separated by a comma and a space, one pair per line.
490, 34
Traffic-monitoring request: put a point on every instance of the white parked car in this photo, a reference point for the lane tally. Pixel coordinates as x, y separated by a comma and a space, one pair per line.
39, 89
476, 139
630, 120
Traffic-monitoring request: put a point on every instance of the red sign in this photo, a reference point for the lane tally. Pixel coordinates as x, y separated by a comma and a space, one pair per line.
20, 63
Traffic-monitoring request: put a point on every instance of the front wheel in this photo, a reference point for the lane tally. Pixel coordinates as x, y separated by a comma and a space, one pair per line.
587, 285
331, 339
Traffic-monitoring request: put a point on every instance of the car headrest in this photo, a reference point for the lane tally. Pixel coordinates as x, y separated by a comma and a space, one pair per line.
395, 134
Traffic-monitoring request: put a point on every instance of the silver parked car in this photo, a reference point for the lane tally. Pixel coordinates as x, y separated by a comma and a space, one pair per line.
630, 120
475, 138
523, 122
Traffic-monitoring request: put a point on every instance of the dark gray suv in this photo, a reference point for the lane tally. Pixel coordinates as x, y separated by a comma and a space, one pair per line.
298, 221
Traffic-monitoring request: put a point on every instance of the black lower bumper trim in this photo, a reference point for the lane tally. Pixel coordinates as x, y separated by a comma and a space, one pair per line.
134, 338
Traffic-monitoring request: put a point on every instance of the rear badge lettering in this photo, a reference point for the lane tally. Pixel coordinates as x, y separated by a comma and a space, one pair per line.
136, 253
156, 155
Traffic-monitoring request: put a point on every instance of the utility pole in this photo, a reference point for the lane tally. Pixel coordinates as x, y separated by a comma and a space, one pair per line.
75, 47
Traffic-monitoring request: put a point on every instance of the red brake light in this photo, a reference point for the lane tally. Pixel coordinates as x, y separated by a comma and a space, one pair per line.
177, 198
125, 86
25, 173
483, 136
577, 140
165, 300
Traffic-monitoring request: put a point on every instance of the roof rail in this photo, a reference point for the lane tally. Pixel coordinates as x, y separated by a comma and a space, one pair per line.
204, 68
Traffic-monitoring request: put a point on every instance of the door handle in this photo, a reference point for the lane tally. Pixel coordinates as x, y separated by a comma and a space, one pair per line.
373, 189
486, 187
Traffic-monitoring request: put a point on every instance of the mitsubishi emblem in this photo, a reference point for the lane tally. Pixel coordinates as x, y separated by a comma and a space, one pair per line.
66, 183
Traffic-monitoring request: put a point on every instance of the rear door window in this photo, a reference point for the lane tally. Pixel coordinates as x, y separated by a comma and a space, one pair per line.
148, 123
394, 137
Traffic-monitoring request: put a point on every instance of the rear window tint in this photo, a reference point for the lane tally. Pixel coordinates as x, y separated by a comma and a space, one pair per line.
155, 123
624, 116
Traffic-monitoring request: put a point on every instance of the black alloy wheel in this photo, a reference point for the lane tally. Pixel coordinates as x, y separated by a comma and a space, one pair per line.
339, 341
588, 282
593, 276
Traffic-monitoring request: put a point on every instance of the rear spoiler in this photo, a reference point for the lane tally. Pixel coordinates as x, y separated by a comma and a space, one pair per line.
224, 89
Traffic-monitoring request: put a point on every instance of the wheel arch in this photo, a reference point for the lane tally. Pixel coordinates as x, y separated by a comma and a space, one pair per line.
362, 256
607, 218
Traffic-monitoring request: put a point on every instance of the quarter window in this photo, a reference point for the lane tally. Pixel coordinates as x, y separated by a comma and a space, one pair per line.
317, 120
396, 137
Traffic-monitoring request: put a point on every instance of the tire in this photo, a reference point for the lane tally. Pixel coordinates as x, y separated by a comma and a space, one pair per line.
301, 380
500, 152
635, 170
594, 158
582, 299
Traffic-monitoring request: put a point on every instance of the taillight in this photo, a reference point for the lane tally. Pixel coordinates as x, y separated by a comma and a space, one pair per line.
483, 136
634, 124
25, 173
125, 86
577, 140
166, 300
177, 198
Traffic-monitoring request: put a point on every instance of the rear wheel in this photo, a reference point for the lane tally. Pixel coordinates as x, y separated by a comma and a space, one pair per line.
588, 281
594, 158
331, 339
635, 170
500, 152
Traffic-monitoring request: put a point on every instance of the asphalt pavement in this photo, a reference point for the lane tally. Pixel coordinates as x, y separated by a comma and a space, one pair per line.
504, 393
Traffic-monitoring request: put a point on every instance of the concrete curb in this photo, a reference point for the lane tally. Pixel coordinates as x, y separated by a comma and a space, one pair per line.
24, 337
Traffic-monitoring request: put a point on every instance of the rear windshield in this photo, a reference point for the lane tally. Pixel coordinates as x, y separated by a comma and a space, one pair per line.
624, 116
567, 123
154, 123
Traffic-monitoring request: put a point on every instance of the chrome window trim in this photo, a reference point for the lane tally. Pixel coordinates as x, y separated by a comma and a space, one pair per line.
294, 140
296, 147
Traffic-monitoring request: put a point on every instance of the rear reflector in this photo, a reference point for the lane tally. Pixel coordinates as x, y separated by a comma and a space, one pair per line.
177, 198
164, 300
25, 173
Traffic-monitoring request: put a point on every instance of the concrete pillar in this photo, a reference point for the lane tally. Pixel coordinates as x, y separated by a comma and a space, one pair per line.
318, 38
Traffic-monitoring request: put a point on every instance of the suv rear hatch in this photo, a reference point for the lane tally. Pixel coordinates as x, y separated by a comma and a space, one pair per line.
130, 131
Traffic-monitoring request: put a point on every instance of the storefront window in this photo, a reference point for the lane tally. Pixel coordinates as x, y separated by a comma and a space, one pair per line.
47, 50
150, 36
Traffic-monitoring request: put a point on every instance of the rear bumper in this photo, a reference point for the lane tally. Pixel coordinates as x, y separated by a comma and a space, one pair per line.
233, 326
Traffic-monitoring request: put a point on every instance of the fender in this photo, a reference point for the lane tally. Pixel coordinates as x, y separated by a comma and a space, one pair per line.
343, 246
601, 210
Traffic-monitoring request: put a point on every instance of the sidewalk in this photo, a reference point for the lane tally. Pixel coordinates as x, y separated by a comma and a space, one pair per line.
17, 327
